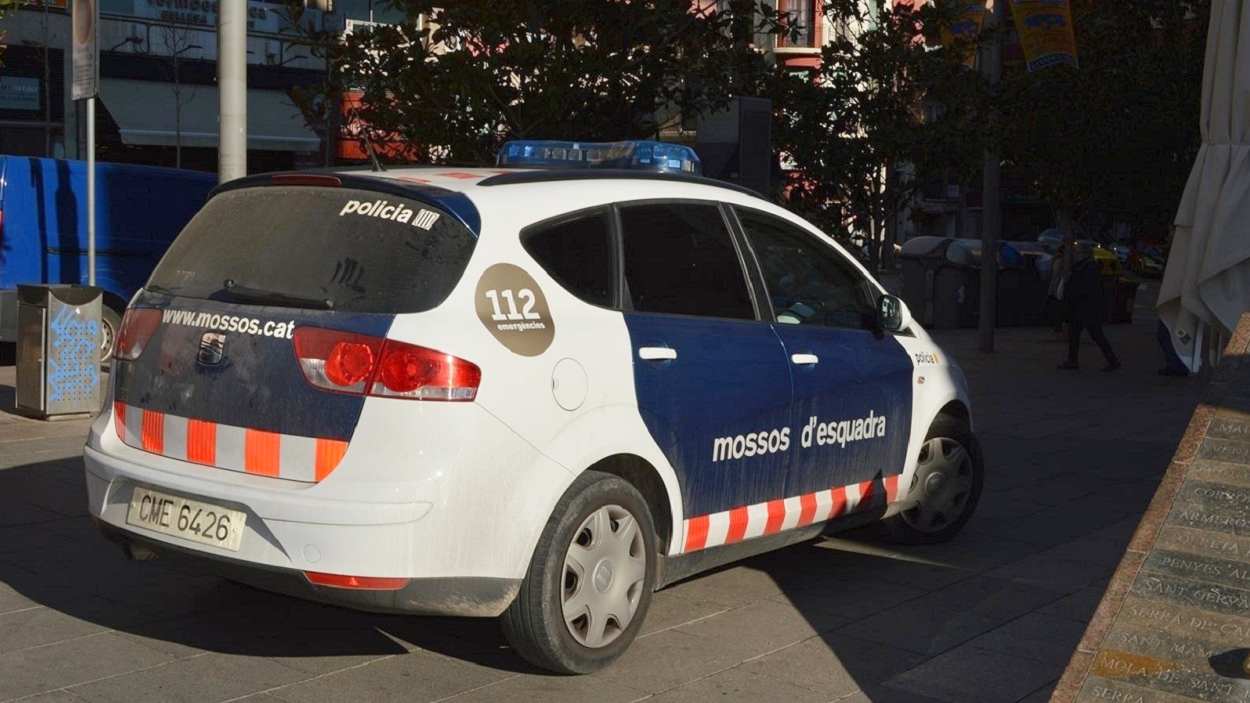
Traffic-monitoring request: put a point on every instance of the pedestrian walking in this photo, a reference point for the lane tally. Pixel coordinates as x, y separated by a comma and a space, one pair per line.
1058, 272
1086, 307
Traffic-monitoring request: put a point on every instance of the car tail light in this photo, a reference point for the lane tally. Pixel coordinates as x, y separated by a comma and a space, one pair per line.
346, 362
337, 361
137, 329
360, 583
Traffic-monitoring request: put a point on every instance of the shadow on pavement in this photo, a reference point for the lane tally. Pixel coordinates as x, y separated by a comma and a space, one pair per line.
8, 399
52, 555
992, 616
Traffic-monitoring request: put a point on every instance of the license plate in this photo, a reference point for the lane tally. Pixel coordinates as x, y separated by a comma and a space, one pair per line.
189, 519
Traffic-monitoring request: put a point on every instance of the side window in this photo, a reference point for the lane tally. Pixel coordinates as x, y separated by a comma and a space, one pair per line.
577, 253
808, 283
679, 258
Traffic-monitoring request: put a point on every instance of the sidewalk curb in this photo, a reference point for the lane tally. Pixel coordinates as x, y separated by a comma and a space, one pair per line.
1235, 366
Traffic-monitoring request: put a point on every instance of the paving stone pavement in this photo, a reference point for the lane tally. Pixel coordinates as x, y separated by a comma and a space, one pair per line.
1073, 459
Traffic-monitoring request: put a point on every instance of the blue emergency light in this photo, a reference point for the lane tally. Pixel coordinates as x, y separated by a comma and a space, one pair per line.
637, 155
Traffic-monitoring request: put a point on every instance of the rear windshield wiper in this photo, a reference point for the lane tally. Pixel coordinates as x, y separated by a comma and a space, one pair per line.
159, 289
234, 292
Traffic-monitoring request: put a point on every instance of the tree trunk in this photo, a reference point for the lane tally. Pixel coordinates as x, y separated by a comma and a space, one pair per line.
873, 251
891, 217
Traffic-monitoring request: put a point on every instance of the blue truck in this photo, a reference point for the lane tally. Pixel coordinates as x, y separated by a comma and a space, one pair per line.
43, 228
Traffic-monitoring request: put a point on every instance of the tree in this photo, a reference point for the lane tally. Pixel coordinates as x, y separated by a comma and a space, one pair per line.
1114, 139
320, 104
461, 79
7, 7
888, 108
177, 41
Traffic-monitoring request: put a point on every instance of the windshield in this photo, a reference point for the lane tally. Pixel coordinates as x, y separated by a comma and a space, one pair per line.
327, 248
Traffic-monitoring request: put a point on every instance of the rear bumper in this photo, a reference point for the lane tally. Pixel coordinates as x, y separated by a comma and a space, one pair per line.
452, 501
462, 596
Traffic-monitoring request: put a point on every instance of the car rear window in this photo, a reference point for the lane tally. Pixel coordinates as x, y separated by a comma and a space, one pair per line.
577, 252
337, 248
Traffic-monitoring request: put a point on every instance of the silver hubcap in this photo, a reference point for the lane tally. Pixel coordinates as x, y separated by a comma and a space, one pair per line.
107, 333
944, 482
604, 570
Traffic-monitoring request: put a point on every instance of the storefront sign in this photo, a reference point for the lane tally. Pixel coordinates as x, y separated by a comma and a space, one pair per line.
17, 93
261, 17
1045, 29
86, 76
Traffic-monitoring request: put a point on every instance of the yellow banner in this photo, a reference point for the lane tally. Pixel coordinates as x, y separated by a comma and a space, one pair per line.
1045, 29
965, 27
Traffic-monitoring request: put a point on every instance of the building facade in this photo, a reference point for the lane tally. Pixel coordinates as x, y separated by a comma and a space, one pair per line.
158, 98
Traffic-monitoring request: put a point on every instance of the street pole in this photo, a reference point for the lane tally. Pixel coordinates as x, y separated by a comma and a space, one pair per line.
991, 194
90, 191
232, 90
47, 90
177, 112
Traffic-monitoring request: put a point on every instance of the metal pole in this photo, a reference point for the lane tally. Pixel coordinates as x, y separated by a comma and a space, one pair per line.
47, 90
91, 191
991, 205
232, 89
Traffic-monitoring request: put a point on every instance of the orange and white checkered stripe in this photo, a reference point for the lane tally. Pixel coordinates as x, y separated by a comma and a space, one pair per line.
242, 449
760, 519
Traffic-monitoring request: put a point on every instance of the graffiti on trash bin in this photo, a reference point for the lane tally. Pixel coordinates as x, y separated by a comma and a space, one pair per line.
73, 363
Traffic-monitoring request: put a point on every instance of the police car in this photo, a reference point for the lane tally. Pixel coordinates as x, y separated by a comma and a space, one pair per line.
540, 395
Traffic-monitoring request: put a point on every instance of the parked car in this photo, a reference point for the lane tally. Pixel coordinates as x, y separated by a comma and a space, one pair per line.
538, 395
43, 228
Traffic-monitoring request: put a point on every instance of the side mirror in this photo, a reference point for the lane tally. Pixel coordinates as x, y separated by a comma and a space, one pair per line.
892, 314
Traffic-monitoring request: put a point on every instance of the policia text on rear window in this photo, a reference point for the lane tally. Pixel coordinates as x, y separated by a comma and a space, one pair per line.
330, 248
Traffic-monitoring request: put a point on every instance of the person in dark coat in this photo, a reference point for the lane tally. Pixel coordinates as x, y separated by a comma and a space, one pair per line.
1086, 306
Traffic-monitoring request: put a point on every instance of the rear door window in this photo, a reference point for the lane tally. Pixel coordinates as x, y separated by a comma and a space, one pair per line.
680, 259
328, 248
577, 252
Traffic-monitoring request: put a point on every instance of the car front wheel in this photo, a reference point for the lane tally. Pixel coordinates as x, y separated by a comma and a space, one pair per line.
590, 580
947, 484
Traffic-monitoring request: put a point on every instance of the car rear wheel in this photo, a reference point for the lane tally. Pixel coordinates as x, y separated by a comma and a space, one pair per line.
110, 323
589, 583
947, 484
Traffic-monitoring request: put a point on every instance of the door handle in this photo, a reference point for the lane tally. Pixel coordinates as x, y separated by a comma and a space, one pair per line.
804, 359
657, 353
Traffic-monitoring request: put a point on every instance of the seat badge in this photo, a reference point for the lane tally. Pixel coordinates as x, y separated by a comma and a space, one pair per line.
212, 349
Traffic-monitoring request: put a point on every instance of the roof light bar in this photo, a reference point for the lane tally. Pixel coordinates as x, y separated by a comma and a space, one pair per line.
639, 155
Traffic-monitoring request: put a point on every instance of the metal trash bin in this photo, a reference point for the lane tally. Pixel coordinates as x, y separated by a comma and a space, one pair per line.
920, 259
957, 286
58, 350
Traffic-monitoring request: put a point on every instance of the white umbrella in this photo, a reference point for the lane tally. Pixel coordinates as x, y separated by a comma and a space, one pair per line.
1207, 281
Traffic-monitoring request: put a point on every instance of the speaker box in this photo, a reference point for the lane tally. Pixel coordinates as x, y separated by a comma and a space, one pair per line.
735, 144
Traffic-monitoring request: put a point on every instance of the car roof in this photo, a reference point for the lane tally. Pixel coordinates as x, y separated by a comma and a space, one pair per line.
525, 196
479, 196
469, 179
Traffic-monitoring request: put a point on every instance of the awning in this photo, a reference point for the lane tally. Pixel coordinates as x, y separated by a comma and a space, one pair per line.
1206, 286
145, 113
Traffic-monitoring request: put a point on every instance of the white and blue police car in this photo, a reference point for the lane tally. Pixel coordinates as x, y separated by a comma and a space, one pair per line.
534, 394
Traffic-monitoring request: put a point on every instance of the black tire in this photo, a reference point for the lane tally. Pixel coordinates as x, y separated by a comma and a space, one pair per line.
110, 324
534, 624
901, 528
